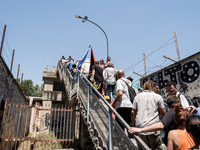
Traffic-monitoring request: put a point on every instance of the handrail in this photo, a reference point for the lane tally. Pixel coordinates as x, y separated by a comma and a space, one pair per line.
79, 75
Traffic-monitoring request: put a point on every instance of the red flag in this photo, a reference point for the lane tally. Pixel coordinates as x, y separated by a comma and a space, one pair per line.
92, 61
92, 56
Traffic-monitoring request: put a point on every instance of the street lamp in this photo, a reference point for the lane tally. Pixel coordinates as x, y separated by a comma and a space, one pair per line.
86, 19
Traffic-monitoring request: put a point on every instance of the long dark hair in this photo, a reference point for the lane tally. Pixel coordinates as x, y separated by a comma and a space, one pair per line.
181, 115
193, 126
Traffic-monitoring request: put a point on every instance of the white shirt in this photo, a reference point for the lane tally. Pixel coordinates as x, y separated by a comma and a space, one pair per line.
184, 101
64, 60
109, 75
85, 68
124, 100
147, 105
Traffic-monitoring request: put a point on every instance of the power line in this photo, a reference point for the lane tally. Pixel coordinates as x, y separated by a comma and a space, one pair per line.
162, 46
154, 68
151, 61
6, 55
125, 70
1, 25
8, 46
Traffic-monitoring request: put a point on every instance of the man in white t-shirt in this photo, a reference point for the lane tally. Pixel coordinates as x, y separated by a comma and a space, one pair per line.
147, 107
172, 90
124, 106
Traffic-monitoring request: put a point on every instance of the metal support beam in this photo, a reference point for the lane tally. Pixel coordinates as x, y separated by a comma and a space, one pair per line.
88, 103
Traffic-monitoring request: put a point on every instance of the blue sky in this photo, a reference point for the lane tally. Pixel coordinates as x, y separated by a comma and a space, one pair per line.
43, 31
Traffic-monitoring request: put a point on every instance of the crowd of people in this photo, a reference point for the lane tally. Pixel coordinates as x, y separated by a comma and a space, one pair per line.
147, 115
102, 75
147, 125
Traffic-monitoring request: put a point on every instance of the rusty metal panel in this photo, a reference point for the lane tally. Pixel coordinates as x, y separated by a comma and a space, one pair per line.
51, 129
15, 125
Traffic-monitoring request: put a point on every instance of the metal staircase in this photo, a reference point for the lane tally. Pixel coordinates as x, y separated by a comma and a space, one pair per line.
96, 112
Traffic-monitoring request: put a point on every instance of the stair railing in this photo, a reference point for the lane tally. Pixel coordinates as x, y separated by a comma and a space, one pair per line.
96, 105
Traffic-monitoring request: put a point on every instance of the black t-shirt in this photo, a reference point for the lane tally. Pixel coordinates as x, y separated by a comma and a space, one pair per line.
169, 123
98, 76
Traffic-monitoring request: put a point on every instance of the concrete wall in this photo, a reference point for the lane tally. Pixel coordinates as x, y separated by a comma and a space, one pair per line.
53, 115
14, 120
186, 75
9, 88
53, 89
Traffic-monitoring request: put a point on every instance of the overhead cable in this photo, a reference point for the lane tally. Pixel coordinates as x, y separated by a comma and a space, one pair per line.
164, 45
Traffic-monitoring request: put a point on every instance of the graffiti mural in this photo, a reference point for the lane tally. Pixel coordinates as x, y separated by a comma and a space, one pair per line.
184, 73
190, 72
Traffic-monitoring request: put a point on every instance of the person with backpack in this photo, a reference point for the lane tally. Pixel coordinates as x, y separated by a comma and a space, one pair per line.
124, 98
147, 107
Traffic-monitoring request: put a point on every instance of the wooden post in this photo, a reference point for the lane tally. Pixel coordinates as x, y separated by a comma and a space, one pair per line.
22, 87
138, 74
177, 46
25, 89
144, 65
12, 60
4, 31
18, 72
169, 58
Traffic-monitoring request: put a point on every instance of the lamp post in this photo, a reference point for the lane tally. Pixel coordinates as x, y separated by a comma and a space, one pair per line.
86, 19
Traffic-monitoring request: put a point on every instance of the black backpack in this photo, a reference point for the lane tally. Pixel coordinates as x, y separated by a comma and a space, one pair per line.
131, 92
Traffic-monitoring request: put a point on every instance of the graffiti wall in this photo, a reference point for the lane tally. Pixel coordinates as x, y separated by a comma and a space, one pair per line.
186, 75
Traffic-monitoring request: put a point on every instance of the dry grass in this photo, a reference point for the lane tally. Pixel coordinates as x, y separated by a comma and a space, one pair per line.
42, 145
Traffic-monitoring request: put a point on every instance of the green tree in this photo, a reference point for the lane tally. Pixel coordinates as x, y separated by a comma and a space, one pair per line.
29, 89
38, 90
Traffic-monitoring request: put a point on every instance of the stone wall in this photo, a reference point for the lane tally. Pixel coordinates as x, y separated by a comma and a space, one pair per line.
9, 88
14, 115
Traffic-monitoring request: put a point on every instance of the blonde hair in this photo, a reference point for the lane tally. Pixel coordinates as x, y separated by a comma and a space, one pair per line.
149, 85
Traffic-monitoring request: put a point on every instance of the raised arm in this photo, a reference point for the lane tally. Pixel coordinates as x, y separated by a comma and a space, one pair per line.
152, 128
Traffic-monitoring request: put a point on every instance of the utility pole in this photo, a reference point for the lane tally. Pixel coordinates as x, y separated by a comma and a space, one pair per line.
4, 31
144, 68
144, 65
177, 46
18, 72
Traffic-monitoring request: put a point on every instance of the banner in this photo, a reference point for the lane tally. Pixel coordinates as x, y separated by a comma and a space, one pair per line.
82, 61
